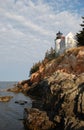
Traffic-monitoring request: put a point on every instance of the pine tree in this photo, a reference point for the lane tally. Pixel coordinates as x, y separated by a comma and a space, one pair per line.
80, 35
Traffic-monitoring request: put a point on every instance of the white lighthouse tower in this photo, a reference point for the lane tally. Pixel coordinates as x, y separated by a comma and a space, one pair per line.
59, 43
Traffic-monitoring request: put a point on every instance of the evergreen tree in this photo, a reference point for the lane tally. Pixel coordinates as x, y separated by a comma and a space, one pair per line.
80, 35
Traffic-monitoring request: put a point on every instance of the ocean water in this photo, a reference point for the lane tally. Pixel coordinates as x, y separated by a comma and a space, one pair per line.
11, 114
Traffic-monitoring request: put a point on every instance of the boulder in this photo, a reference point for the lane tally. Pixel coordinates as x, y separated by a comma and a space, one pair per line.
5, 98
35, 119
21, 86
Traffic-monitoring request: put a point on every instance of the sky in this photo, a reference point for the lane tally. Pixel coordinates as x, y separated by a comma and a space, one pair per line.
28, 29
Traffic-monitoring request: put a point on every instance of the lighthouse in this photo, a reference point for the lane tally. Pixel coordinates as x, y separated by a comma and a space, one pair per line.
59, 43
63, 43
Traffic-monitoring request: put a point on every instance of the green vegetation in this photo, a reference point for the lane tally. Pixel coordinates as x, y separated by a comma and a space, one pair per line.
35, 68
80, 35
49, 55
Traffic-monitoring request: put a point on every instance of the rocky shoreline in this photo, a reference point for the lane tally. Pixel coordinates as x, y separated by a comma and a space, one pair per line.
62, 99
58, 93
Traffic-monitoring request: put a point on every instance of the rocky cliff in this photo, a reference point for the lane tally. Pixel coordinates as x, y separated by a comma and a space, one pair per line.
58, 90
61, 96
72, 61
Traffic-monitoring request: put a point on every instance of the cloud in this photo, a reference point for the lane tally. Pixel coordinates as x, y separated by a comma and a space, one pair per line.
26, 22
28, 28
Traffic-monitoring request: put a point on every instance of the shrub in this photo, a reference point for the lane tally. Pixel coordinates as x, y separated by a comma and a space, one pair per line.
50, 54
35, 68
